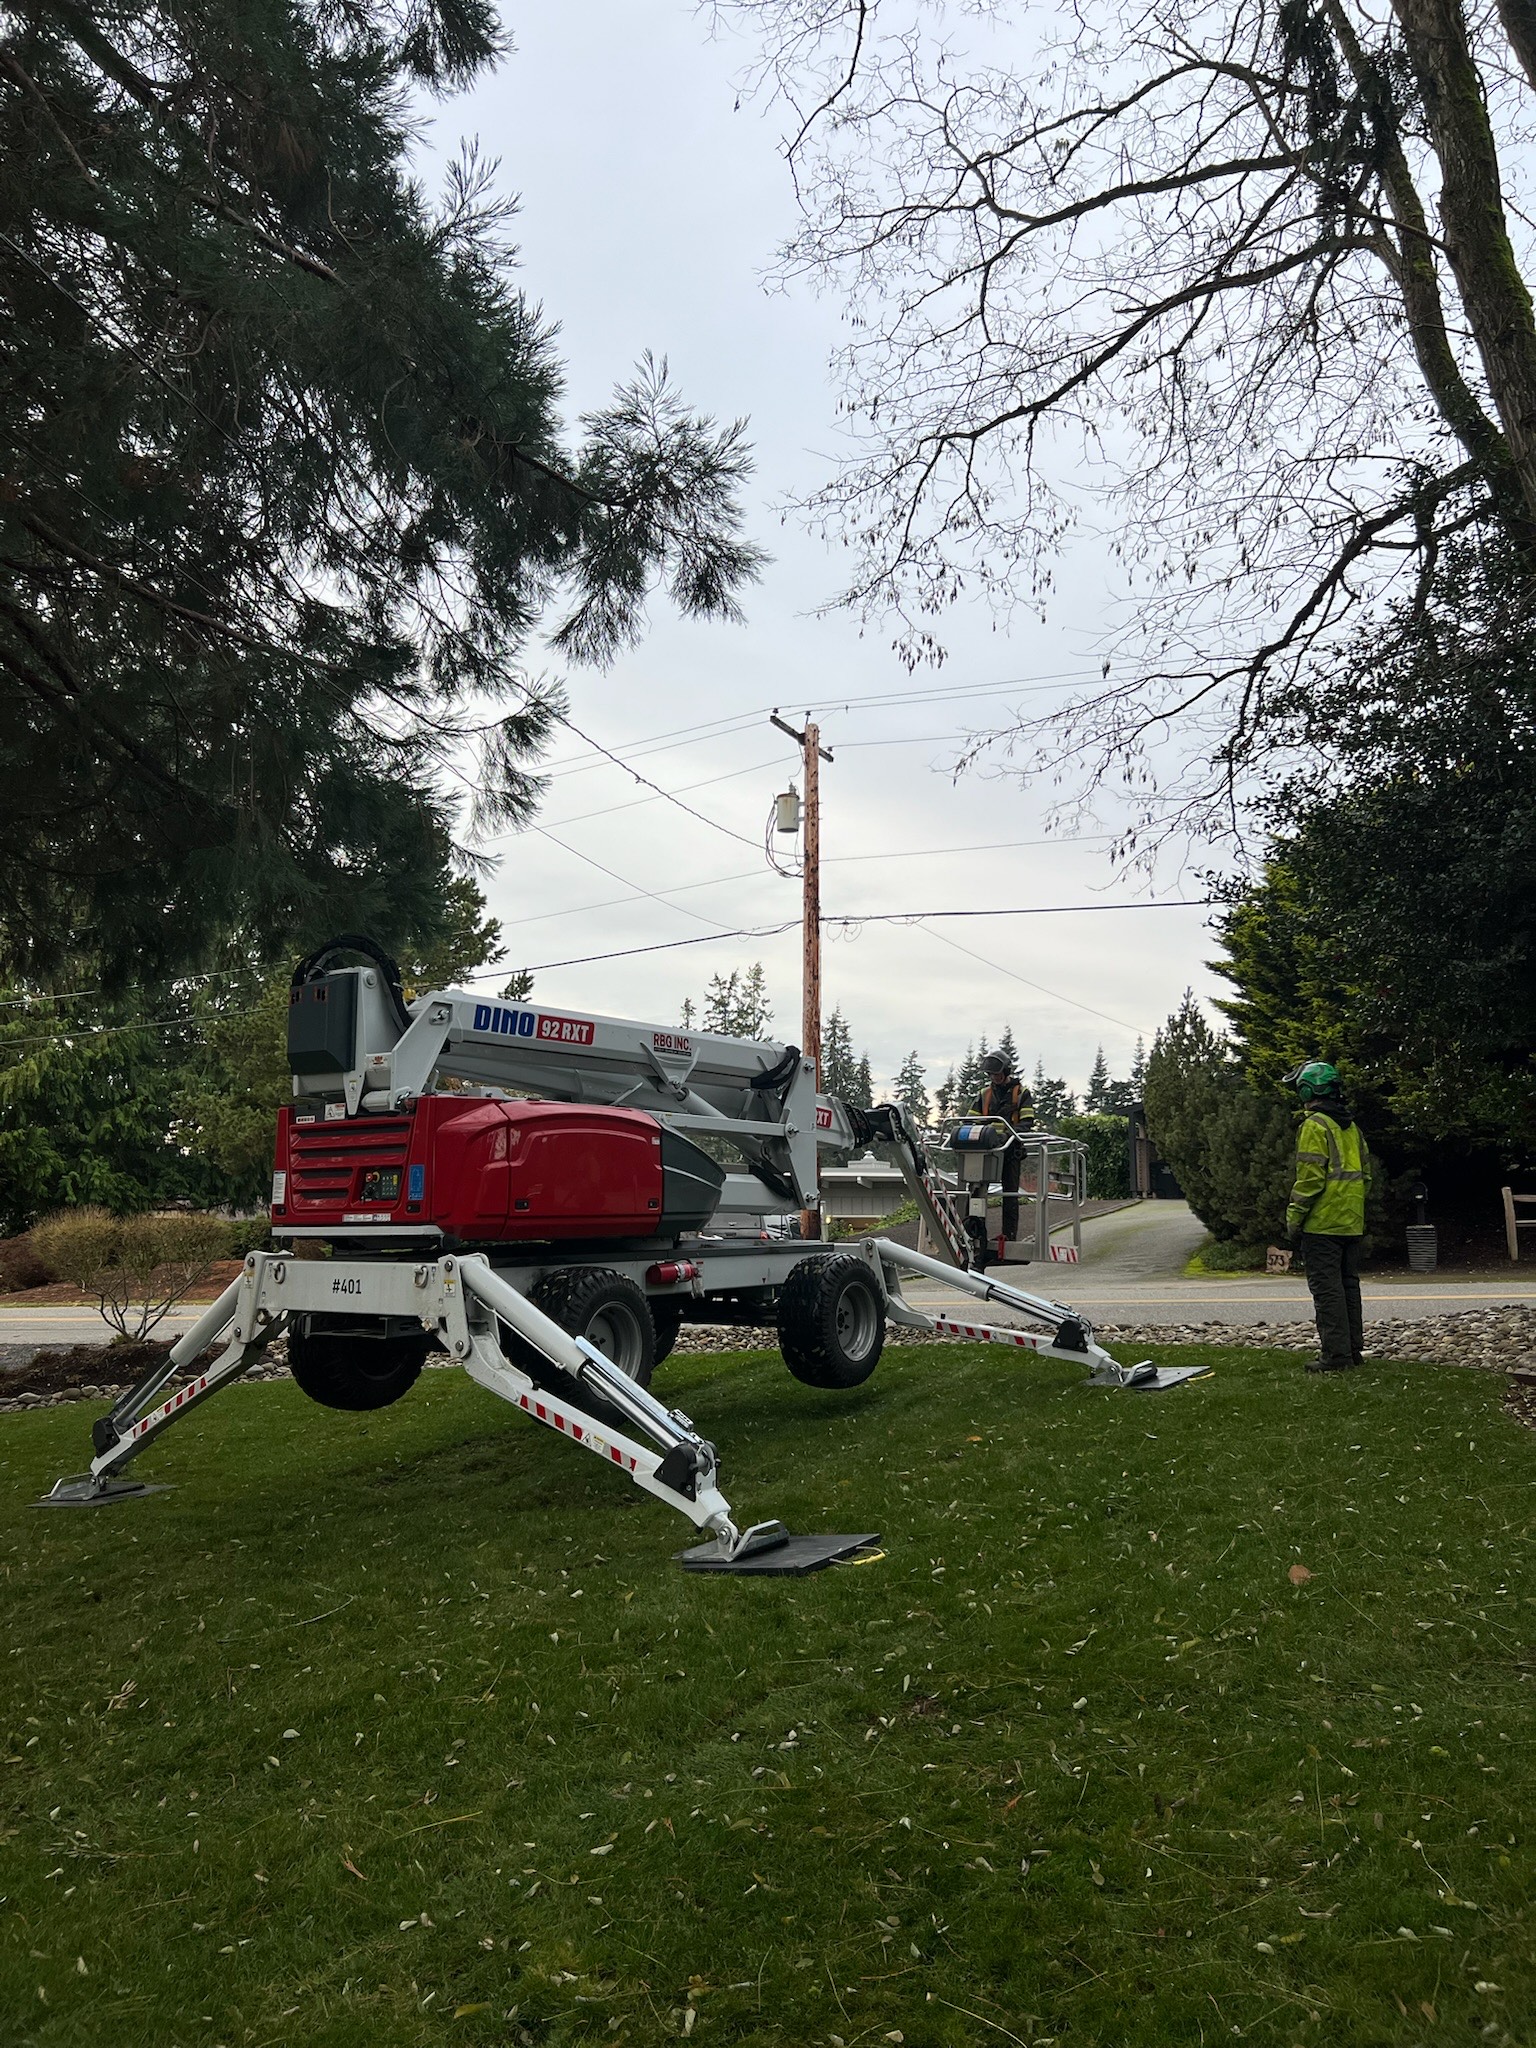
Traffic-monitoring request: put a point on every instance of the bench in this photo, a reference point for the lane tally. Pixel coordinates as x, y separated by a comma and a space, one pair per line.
1514, 1224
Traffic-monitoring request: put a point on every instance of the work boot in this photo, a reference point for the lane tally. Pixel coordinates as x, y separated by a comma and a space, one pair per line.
1327, 1365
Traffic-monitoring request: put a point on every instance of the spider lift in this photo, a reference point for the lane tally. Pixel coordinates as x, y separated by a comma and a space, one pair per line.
538, 1194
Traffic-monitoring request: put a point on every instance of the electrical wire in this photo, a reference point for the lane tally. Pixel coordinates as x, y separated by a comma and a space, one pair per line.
924, 694
613, 875
609, 810
1025, 910
713, 823
1039, 987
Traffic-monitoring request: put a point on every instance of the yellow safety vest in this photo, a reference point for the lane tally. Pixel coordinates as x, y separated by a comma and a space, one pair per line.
1333, 1178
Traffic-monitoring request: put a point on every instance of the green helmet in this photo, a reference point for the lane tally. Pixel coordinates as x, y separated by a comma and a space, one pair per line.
1314, 1077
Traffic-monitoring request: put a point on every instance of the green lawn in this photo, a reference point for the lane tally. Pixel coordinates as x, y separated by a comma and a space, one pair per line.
400, 1729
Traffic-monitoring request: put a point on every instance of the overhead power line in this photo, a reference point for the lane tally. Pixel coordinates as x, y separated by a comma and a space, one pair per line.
713, 823
1038, 986
1024, 910
921, 695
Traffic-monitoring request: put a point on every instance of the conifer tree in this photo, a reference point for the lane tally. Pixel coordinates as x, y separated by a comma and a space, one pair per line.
735, 1004
910, 1092
286, 486
863, 1096
944, 1097
1122, 1096
1053, 1098
839, 1073
1097, 1099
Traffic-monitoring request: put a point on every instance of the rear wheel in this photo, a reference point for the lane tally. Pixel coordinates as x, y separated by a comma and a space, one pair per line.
610, 1312
667, 1316
831, 1321
353, 1365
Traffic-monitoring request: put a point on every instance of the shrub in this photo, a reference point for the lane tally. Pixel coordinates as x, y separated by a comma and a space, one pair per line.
1109, 1176
77, 1244
1215, 1256
247, 1234
22, 1265
138, 1267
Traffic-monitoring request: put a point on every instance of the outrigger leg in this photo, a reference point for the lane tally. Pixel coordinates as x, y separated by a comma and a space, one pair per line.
462, 1301
1066, 1332
131, 1424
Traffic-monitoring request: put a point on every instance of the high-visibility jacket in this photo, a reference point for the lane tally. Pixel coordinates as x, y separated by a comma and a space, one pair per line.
1333, 1178
1010, 1100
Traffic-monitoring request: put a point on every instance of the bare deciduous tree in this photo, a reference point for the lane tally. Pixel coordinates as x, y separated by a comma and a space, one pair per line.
1244, 278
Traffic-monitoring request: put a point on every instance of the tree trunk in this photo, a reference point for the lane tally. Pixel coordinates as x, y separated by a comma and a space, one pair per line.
1477, 245
1519, 19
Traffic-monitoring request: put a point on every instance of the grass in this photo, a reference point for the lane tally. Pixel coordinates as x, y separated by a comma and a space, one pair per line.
400, 1729
1211, 1255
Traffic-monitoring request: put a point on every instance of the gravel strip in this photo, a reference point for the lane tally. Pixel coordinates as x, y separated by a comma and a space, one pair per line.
1499, 1340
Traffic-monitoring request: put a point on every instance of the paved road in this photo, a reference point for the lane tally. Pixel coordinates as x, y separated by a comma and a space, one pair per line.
58, 1323
1132, 1271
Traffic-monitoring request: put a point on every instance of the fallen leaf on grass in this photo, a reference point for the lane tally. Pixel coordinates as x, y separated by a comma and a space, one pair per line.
460, 2010
348, 1864
1298, 1575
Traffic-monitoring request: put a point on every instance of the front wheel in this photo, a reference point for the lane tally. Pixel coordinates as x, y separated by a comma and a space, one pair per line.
610, 1312
831, 1321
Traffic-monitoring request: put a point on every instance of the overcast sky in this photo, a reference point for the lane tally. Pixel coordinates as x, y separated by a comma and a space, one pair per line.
651, 208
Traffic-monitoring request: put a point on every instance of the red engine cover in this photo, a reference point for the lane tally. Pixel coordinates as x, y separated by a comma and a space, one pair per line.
479, 1170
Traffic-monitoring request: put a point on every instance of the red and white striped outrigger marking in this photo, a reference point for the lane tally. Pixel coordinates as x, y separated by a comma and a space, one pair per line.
542, 1412
169, 1407
983, 1333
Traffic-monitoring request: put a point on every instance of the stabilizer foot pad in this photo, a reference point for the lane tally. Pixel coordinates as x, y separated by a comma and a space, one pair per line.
792, 1556
82, 1491
1158, 1381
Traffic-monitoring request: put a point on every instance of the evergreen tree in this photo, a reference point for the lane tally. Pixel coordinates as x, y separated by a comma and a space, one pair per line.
285, 485
1097, 1098
1007, 1048
910, 1092
1053, 1099
233, 1074
518, 987
690, 1013
755, 1011
839, 1069
1231, 1144
944, 1098
1122, 1096
863, 1096
971, 1078
735, 1004
466, 939
87, 1109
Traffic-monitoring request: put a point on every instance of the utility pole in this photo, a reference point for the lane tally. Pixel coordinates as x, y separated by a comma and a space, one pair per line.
813, 753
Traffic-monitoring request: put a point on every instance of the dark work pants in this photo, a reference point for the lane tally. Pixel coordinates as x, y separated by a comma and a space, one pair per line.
1333, 1276
1013, 1162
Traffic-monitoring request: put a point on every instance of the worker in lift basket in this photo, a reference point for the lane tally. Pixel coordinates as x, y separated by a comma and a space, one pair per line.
1006, 1096
1327, 1213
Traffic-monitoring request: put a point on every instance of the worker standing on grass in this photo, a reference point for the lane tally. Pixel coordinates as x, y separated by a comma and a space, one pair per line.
1327, 1213
1006, 1097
